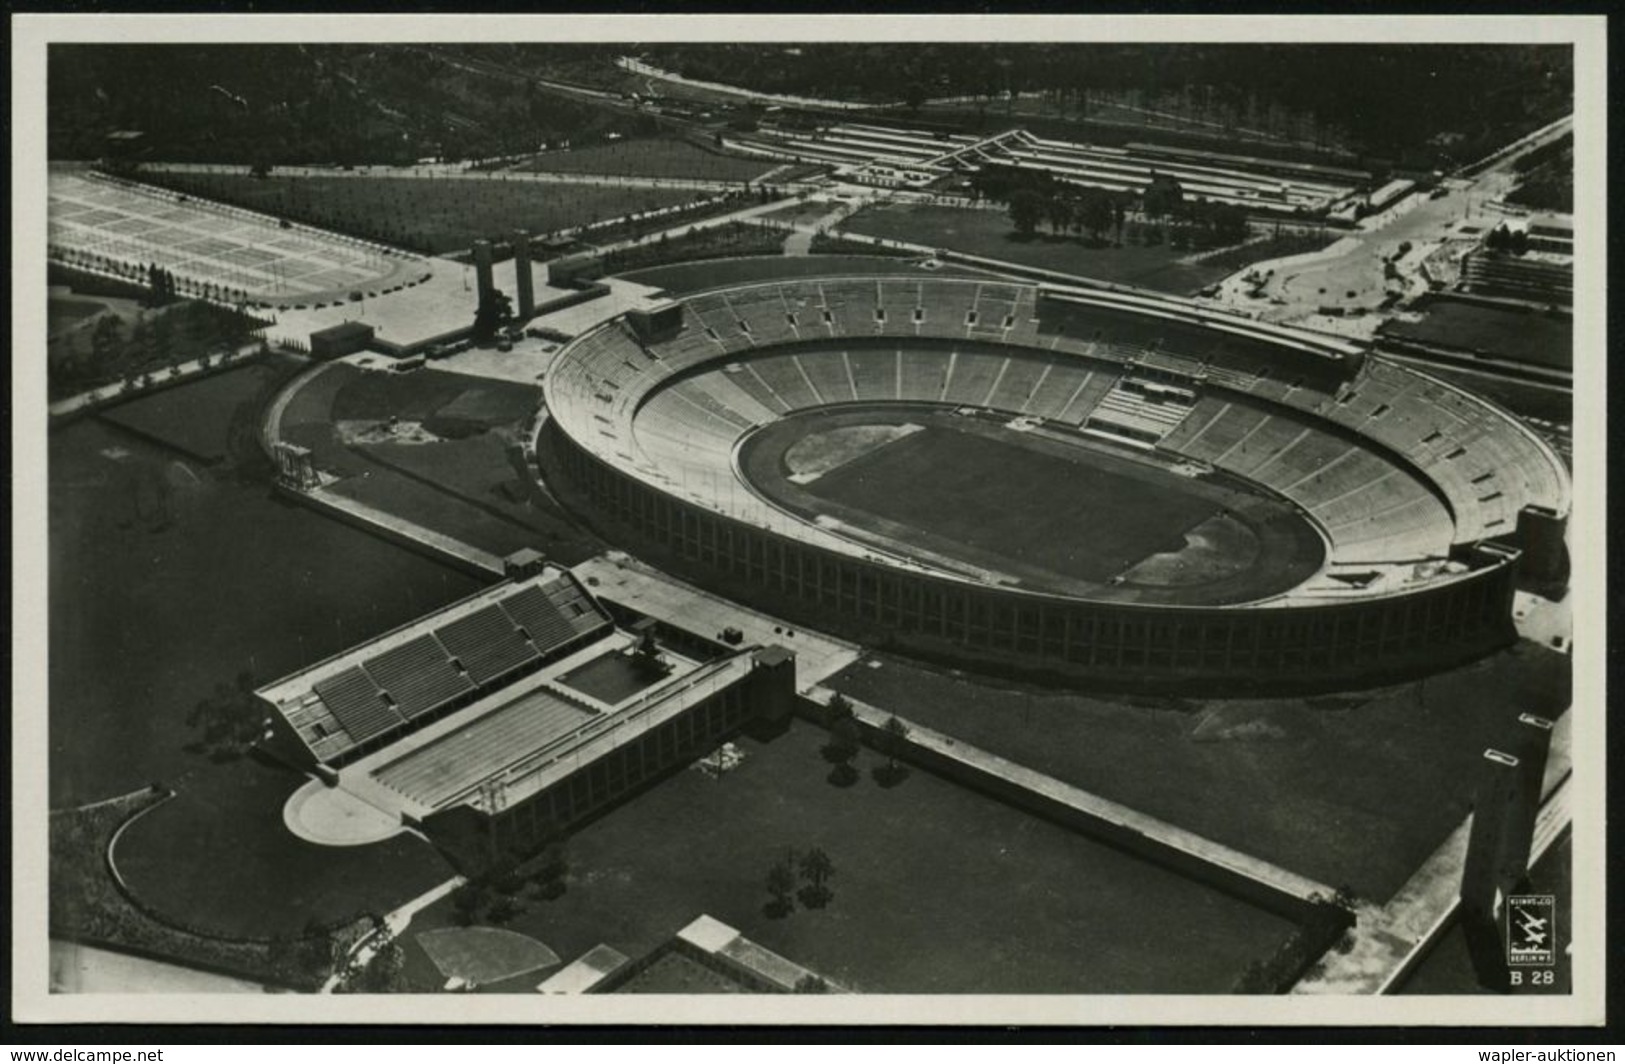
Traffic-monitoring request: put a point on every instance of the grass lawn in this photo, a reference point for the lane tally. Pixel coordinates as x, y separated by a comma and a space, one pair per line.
64, 313
936, 888
1051, 514
485, 954
990, 234
656, 157
698, 276
149, 612
197, 418
218, 858
463, 487
677, 974
1519, 336
980, 492
423, 393
436, 215
1352, 789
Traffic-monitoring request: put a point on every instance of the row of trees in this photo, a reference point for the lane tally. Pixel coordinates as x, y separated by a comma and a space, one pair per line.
1035, 197
815, 871
845, 740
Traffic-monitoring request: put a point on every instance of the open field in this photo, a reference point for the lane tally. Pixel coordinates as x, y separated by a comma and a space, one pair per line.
218, 857
990, 234
462, 483
936, 888
1352, 789
654, 157
1499, 333
698, 276
434, 215
1055, 515
63, 314
201, 418
1093, 522
168, 577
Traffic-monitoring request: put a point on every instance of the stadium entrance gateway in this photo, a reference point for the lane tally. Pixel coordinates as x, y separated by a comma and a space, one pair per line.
465, 723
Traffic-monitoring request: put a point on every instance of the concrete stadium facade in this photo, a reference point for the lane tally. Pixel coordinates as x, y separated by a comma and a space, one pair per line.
1430, 591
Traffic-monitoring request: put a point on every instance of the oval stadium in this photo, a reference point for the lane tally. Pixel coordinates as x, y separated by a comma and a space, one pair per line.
1118, 487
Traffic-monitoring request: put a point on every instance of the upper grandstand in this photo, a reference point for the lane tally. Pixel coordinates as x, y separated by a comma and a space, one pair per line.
373, 694
1395, 469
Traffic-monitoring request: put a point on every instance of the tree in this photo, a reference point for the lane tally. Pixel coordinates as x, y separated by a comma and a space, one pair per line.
1026, 208
1093, 210
838, 708
493, 311
893, 737
816, 869
383, 972
781, 883
840, 750
1058, 213
1164, 196
229, 719
811, 984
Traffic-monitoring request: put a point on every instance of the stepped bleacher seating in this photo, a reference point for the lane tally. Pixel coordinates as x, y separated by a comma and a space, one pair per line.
924, 372
827, 372
487, 644
972, 376
874, 373
532, 610
1020, 381
1249, 423
357, 704
1129, 409
782, 377
418, 676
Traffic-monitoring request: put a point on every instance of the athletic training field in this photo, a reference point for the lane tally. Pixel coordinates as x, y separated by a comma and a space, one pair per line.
1039, 510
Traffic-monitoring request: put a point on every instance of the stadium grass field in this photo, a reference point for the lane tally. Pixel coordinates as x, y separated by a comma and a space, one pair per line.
988, 233
1521, 336
652, 157
436, 215
1053, 515
1354, 789
978, 491
937, 889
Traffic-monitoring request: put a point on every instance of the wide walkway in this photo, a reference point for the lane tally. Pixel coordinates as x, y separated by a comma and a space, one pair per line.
621, 578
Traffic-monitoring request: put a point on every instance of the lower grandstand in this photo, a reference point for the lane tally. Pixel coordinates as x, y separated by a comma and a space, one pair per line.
1408, 493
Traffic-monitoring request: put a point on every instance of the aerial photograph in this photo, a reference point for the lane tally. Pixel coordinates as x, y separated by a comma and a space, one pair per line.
796, 517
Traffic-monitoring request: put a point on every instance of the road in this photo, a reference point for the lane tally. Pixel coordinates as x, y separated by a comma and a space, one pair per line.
1349, 276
